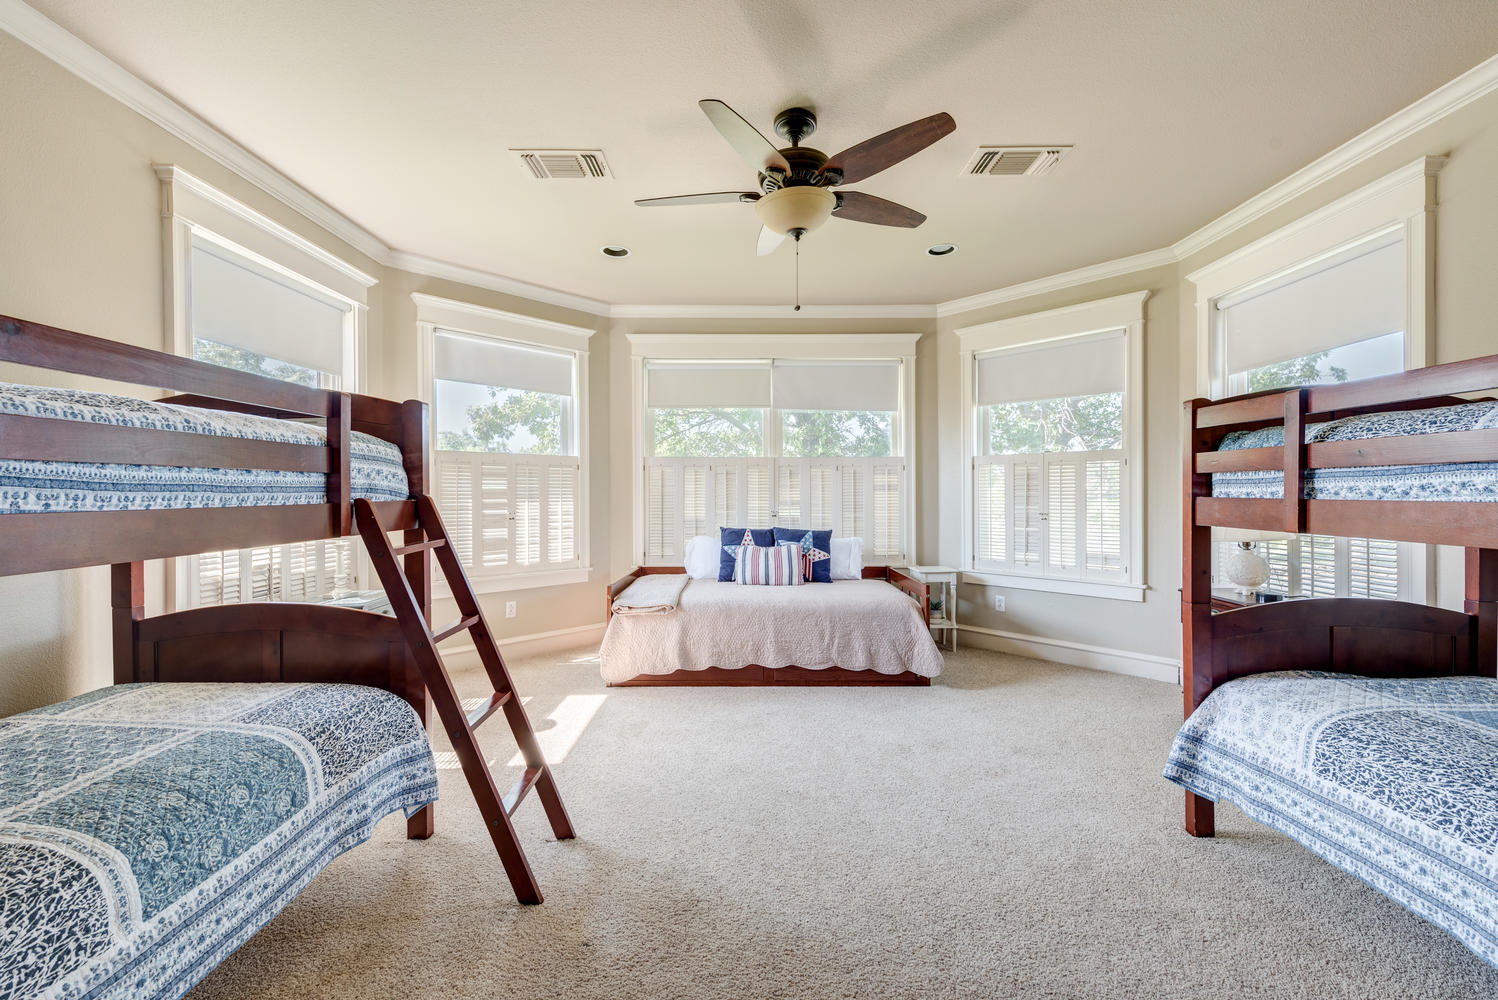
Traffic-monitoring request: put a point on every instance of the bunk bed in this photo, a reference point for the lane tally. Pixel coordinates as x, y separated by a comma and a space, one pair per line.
873, 631
1365, 729
150, 828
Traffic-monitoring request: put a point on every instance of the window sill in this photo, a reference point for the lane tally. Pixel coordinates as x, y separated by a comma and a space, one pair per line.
1077, 588
516, 581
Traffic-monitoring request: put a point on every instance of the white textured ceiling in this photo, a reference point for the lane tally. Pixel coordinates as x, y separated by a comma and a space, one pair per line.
400, 115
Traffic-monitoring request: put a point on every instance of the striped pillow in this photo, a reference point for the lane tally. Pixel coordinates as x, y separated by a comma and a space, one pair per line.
768, 565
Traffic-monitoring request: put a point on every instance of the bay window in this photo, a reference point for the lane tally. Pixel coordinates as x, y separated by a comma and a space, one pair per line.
813, 443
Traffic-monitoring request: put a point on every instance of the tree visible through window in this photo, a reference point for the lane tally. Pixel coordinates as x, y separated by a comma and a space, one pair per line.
512, 422
708, 432
836, 433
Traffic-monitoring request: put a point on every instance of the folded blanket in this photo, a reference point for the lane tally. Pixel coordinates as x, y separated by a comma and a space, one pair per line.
651, 594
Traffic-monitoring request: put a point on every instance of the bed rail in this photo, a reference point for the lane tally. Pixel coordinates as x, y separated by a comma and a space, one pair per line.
69, 539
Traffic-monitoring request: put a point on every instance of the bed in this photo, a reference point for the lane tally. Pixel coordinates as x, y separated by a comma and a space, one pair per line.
151, 829
233, 460
1363, 728
1390, 779
868, 631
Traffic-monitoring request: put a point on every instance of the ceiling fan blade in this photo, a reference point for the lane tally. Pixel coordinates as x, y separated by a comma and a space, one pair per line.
711, 198
769, 241
873, 155
746, 140
860, 207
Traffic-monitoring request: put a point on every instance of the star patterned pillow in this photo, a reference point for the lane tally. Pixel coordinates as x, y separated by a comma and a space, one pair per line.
816, 552
729, 541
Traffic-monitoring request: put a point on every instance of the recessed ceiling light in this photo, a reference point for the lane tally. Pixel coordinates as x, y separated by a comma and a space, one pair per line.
941, 249
615, 251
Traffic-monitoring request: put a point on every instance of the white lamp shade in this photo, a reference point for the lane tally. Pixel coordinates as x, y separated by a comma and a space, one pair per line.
795, 208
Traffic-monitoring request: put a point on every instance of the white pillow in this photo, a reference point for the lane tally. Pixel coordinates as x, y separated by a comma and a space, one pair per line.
701, 560
847, 558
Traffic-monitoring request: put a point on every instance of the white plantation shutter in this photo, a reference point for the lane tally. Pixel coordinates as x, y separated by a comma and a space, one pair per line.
758, 493
855, 500
1026, 512
696, 512
728, 501
990, 514
821, 496
887, 507
1063, 509
218, 578
788, 476
1328, 566
1105, 516
1318, 565
1373, 568
510, 513
662, 506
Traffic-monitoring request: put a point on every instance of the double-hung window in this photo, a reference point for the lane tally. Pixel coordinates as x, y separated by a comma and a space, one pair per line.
244, 313
1053, 449
1341, 317
509, 425
786, 442
1049, 479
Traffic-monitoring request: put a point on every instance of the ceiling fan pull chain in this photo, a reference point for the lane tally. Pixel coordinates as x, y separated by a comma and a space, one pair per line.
798, 274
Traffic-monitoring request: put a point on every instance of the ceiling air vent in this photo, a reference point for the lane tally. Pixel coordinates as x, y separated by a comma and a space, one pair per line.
1015, 161
551, 164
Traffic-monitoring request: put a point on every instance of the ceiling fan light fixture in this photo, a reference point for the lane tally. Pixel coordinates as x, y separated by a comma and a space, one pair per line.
941, 249
613, 250
803, 207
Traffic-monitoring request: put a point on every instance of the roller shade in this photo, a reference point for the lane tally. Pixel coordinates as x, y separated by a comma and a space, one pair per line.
1356, 295
238, 302
694, 385
841, 385
1077, 366
461, 358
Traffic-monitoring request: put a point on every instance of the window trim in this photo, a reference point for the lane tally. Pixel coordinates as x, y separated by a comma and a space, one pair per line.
191, 207
1403, 200
434, 313
646, 347
1119, 312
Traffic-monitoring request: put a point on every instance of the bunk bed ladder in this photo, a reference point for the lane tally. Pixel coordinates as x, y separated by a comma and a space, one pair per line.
496, 809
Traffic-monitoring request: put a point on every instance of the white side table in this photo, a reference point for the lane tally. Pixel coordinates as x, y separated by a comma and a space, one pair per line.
942, 581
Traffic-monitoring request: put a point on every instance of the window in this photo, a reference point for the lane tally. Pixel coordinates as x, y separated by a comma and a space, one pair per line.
1052, 450
508, 469
1050, 473
246, 314
793, 443
1339, 318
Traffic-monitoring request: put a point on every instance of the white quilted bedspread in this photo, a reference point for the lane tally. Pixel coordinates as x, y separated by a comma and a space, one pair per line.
853, 624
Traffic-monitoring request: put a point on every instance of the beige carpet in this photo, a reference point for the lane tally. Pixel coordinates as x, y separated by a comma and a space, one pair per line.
1005, 833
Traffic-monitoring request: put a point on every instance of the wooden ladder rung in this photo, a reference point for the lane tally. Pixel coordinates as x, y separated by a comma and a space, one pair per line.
514, 796
430, 543
456, 627
491, 704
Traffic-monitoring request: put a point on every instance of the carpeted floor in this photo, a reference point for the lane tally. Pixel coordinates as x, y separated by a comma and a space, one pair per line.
1004, 833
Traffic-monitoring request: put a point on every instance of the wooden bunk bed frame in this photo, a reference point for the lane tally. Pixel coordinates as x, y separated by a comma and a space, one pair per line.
275, 641
1372, 638
755, 675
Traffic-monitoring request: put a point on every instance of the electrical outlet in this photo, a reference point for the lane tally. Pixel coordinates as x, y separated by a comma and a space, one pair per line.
509, 609
998, 602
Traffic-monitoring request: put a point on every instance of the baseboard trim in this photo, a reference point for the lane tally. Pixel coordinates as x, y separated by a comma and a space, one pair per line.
1076, 654
530, 645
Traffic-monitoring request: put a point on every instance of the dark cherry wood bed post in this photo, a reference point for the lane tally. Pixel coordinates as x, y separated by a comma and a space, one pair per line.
1482, 603
416, 443
1196, 602
127, 599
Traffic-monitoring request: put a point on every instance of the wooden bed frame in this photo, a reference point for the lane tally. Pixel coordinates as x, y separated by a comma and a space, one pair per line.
1372, 638
790, 676
268, 641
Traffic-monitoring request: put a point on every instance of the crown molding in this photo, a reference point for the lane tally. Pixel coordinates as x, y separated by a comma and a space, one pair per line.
1057, 282
451, 312
428, 267
773, 312
1476, 83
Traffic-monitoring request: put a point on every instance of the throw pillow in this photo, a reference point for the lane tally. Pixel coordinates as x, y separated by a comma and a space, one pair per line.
847, 558
768, 566
816, 552
701, 558
729, 540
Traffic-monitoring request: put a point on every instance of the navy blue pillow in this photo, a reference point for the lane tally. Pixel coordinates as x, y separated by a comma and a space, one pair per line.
816, 552
731, 538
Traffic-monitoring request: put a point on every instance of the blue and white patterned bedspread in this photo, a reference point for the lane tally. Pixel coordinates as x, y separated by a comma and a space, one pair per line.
1461, 481
148, 830
1394, 780
28, 487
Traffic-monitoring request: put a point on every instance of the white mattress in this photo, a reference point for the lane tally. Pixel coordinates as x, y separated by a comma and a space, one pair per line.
853, 624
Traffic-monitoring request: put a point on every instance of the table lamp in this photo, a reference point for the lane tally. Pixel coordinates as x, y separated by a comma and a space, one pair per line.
1244, 568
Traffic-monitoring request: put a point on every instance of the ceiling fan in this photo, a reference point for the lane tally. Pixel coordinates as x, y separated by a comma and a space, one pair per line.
795, 183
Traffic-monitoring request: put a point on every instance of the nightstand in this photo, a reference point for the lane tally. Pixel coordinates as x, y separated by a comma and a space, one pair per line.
1228, 599
941, 581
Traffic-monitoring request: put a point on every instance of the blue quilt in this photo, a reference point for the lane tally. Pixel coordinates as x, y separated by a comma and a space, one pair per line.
148, 830
1390, 779
28, 487
1460, 481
